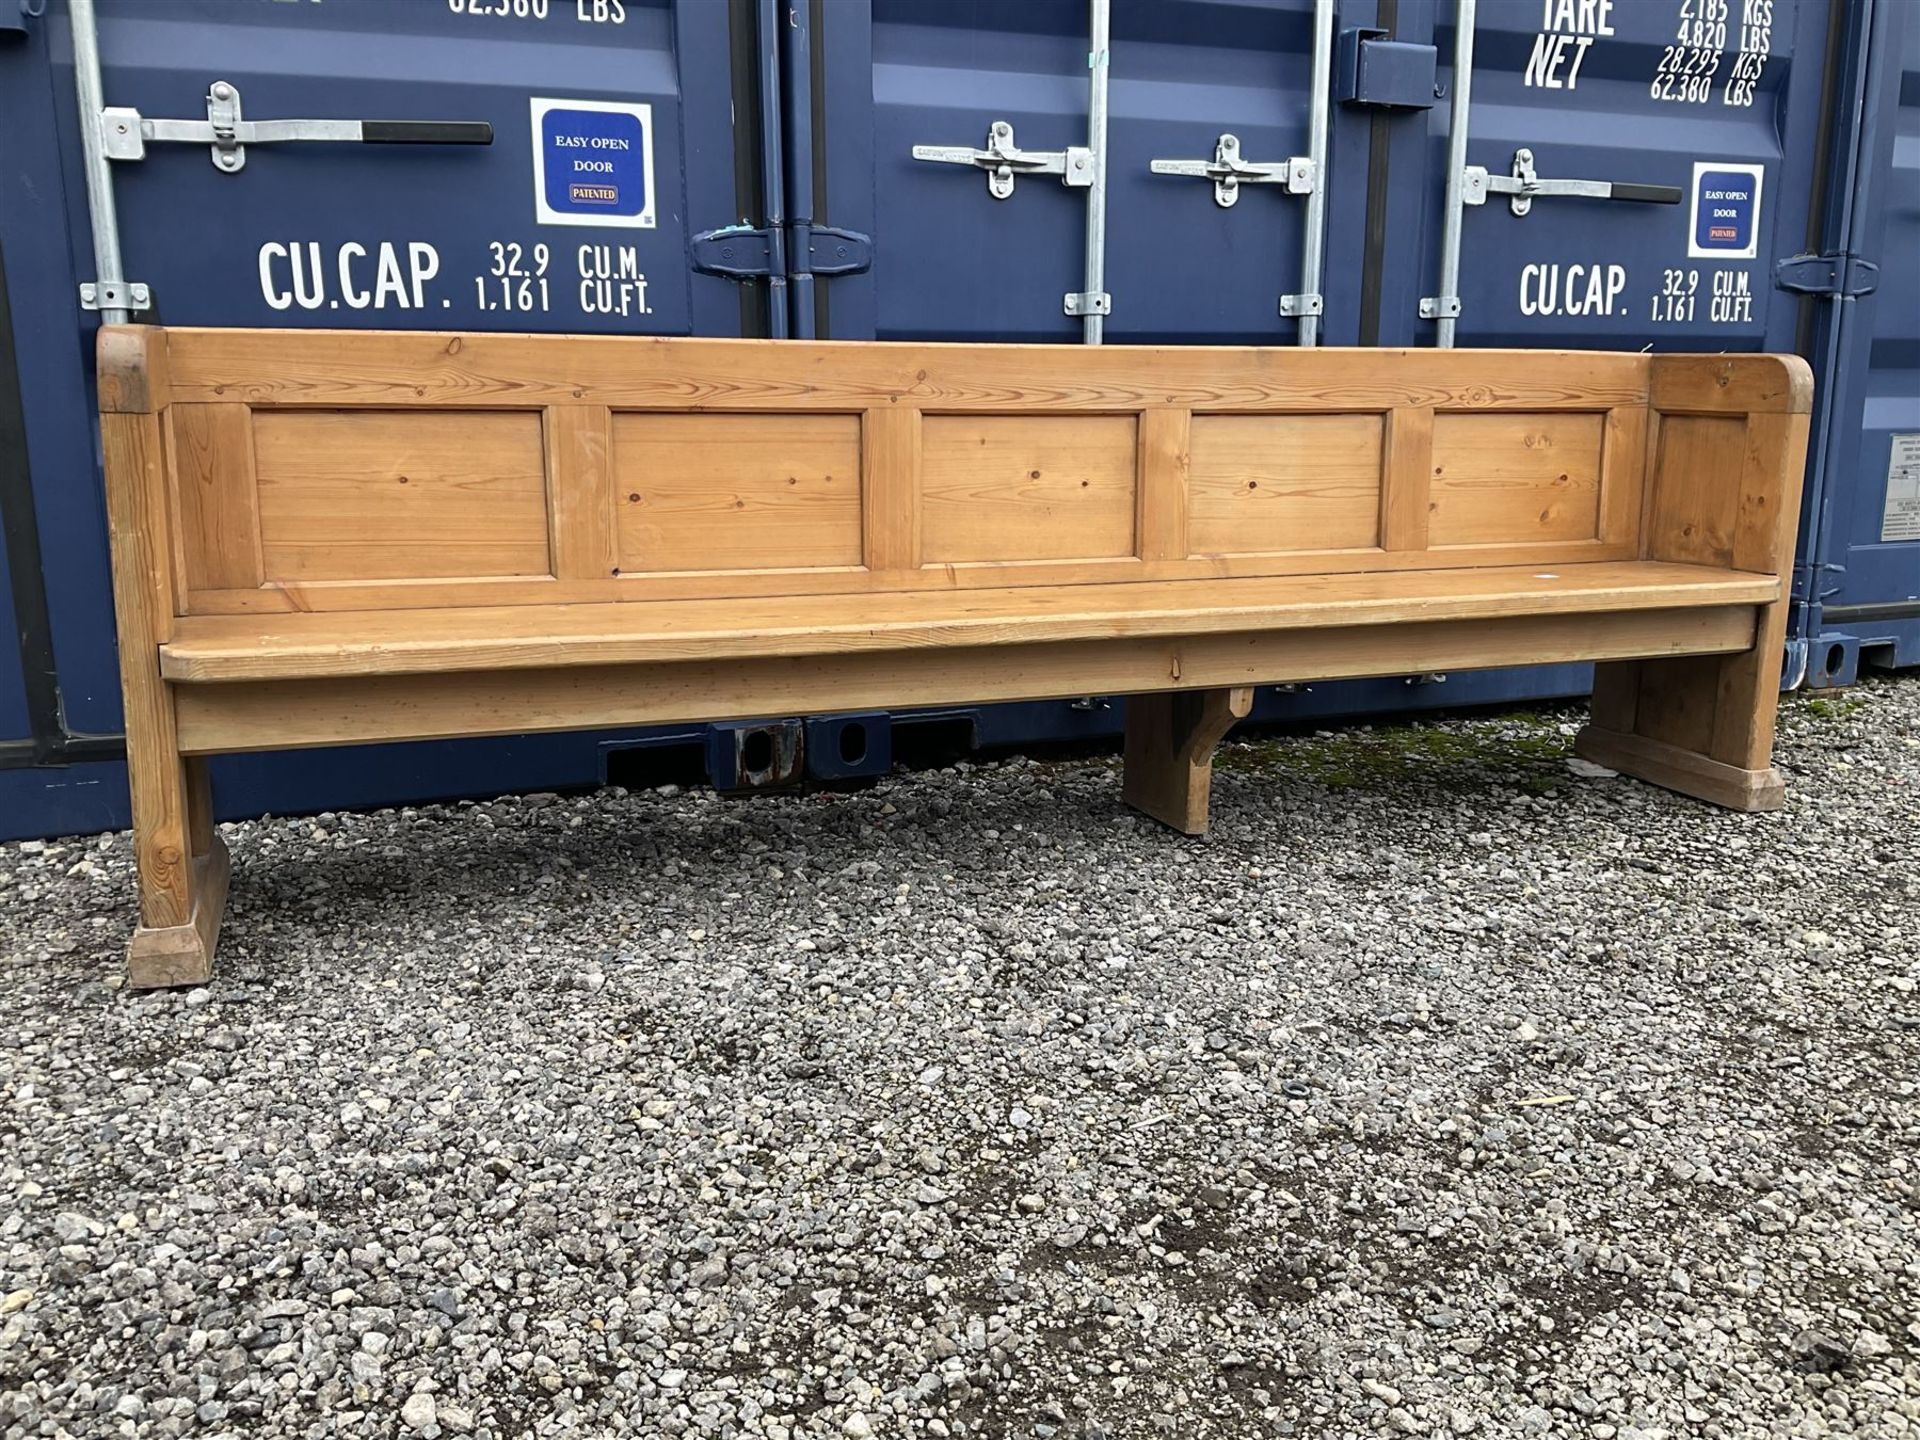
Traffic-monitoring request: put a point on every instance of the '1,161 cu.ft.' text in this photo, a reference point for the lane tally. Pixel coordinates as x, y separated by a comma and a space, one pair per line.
611, 280
1730, 303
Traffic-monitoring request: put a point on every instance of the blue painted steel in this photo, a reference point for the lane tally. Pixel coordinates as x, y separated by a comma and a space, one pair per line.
756, 754
16, 725
846, 747
1576, 84
831, 100
1859, 583
952, 262
1373, 70
456, 230
1007, 726
84, 798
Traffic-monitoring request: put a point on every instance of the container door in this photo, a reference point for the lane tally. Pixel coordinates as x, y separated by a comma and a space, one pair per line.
1704, 118
1865, 524
613, 142
954, 261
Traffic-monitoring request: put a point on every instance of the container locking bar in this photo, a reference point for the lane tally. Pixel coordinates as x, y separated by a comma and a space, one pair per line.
125, 133
1300, 174
1081, 167
1229, 172
1003, 160
1523, 185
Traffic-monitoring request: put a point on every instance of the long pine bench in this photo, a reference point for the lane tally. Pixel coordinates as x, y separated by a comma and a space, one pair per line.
325, 538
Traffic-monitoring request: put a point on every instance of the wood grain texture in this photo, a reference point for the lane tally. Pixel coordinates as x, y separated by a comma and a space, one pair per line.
1677, 768
1284, 482
329, 537
582, 537
1623, 472
737, 492
167, 956
131, 370
225, 649
642, 588
890, 491
286, 714
1027, 487
1707, 728
333, 368
355, 495
1170, 740
1165, 461
1695, 500
1406, 498
1723, 384
139, 536
1747, 687
213, 490
1515, 478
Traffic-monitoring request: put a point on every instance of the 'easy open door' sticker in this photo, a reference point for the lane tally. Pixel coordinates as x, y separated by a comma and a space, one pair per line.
592, 163
1726, 211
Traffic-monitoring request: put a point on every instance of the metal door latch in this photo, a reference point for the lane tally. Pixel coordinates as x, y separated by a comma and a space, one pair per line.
1523, 185
1229, 172
125, 133
1003, 160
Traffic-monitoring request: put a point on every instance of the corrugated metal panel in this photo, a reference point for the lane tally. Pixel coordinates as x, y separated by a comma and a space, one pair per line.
349, 235
1865, 527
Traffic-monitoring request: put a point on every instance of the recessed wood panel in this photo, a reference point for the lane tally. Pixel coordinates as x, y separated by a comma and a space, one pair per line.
1261, 483
213, 473
736, 492
1696, 488
400, 495
1041, 487
1512, 477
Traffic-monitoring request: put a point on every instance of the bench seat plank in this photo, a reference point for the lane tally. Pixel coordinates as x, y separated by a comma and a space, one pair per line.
316, 645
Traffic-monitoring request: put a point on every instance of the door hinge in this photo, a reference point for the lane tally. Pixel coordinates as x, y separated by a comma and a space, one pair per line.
1845, 275
744, 252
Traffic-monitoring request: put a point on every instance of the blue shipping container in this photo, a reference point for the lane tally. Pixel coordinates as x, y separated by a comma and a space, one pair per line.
1673, 174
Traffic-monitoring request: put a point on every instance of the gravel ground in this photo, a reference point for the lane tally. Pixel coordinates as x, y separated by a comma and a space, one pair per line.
1443, 1090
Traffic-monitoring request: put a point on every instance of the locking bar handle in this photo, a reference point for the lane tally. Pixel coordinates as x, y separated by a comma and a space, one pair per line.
125, 133
426, 132
1645, 194
1229, 171
1003, 160
1524, 186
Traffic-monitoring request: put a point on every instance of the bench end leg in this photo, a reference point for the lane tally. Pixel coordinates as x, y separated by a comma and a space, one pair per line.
1169, 752
1687, 771
160, 956
1702, 726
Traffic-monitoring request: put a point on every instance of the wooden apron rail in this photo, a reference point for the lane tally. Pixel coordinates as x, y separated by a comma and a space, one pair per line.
333, 537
